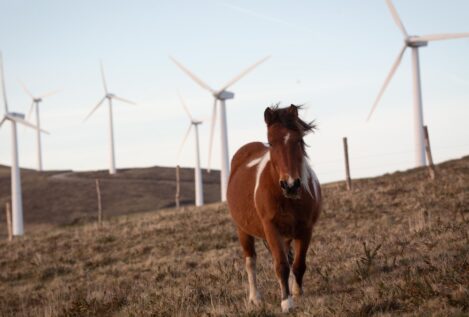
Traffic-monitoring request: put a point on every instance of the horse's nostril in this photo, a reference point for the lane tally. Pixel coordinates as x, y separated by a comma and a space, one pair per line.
297, 183
283, 184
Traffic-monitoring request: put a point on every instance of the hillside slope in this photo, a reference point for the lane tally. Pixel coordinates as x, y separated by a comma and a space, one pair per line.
397, 244
64, 197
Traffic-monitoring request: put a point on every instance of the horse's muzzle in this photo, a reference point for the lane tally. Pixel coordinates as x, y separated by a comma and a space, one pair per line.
291, 190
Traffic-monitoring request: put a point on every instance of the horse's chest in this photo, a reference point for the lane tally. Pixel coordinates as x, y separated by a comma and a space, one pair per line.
290, 223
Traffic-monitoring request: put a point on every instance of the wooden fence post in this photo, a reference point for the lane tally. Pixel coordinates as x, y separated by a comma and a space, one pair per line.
100, 207
348, 180
178, 186
8, 219
431, 167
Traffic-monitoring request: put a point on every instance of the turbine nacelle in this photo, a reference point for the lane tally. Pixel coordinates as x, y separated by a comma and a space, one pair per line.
110, 96
16, 115
414, 41
224, 95
37, 100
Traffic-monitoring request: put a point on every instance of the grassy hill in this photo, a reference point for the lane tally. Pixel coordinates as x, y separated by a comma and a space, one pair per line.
395, 245
65, 197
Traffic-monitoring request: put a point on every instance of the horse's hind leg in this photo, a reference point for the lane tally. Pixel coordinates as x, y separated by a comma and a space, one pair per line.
299, 264
249, 250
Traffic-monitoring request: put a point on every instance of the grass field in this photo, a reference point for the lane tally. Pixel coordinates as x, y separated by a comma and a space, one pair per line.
395, 245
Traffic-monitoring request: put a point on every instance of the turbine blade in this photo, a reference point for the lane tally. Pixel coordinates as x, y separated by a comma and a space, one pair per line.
184, 141
3, 120
185, 106
439, 37
30, 110
50, 93
25, 123
396, 17
387, 80
26, 90
212, 131
95, 108
103, 77
123, 100
4, 91
243, 73
192, 75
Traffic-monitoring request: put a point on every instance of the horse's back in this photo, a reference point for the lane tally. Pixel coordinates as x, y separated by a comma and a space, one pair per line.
240, 194
245, 154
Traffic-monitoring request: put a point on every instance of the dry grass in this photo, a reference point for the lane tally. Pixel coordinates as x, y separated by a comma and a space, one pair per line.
396, 245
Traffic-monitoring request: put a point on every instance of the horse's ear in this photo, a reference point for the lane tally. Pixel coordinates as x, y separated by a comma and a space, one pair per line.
293, 110
268, 116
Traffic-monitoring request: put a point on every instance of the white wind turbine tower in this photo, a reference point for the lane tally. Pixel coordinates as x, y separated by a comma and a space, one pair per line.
16, 196
36, 100
109, 96
413, 42
220, 96
199, 190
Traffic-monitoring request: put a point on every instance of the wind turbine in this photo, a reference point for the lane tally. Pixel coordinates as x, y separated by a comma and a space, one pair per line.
36, 100
199, 190
414, 42
220, 95
109, 96
16, 196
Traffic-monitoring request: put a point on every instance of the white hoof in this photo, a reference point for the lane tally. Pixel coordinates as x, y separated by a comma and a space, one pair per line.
255, 299
287, 304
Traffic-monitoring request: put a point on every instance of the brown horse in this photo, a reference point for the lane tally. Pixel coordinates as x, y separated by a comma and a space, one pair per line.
273, 194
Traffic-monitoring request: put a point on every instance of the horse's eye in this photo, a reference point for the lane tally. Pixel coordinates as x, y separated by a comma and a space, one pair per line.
270, 144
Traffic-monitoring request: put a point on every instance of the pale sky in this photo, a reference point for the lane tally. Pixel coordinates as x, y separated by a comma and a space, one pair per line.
332, 56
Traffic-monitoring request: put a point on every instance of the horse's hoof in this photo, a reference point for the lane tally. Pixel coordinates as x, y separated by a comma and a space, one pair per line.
287, 304
255, 299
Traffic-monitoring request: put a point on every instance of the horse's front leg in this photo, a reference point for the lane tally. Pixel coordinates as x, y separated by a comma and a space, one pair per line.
299, 264
282, 267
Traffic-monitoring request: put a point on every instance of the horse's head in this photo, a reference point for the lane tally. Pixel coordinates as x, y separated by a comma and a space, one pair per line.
287, 148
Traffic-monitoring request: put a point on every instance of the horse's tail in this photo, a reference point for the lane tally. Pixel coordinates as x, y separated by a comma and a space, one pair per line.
290, 255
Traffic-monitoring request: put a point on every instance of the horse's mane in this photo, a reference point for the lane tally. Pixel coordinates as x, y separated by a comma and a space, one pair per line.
288, 117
